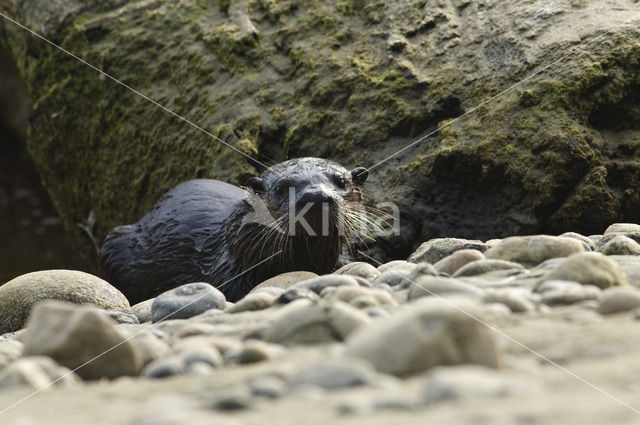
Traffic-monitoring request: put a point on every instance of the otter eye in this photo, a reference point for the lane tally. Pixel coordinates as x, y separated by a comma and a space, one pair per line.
341, 182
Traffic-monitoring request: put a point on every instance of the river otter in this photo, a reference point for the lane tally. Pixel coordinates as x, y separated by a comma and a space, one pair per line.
211, 231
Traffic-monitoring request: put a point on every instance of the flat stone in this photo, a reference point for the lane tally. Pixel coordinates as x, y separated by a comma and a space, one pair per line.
533, 250
360, 269
398, 276
306, 322
618, 299
451, 263
485, 266
435, 250
186, 301
81, 337
620, 245
622, 228
426, 334
589, 268
285, 280
18, 296
426, 286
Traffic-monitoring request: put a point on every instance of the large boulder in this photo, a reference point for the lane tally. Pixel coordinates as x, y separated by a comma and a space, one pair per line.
353, 81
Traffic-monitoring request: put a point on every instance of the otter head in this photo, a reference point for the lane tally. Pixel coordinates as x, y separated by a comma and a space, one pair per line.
307, 198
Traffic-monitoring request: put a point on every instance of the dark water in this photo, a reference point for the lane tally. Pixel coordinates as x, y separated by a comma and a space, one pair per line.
31, 233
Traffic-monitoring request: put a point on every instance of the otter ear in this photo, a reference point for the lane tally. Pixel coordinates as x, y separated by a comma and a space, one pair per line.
359, 175
256, 184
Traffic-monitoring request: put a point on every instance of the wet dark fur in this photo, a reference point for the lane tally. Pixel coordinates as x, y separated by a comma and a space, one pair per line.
195, 232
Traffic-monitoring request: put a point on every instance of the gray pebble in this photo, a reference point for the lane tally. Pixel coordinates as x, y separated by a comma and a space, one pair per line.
37, 373
293, 294
451, 263
622, 228
435, 250
589, 268
253, 302
334, 374
559, 292
186, 301
620, 245
330, 280
589, 244
142, 310
533, 250
268, 386
361, 269
441, 286
514, 298
164, 367
486, 266
618, 299
124, 316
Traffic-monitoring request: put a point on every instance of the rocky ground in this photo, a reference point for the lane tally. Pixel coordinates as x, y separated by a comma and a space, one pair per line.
522, 330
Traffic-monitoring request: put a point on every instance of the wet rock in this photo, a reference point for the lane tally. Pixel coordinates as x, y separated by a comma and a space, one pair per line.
37, 373
440, 286
142, 310
618, 299
435, 250
330, 280
186, 301
429, 333
18, 296
486, 266
533, 250
620, 245
360, 269
451, 263
81, 337
622, 228
285, 280
305, 322
589, 268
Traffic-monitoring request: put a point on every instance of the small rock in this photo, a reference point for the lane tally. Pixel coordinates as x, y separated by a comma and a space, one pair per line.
123, 316
186, 301
330, 280
620, 245
254, 351
589, 268
305, 322
622, 228
143, 310
589, 244
334, 374
426, 334
268, 386
559, 292
198, 352
10, 350
397, 276
618, 299
533, 250
514, 298
253, 302
441, 286
164, 367
472, 382
435, 250
149, 346
81, 337
486, 266
451, 263
360, 269
38, 373
392, 264
293, 294
18, 296
235, 398
285, 280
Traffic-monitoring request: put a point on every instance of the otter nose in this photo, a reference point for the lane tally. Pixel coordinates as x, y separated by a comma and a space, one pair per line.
312, 196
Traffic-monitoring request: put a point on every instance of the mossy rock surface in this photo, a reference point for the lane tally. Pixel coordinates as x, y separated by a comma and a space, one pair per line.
349, 80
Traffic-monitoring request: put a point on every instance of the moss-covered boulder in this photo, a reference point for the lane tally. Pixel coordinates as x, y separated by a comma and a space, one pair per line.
350, 80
